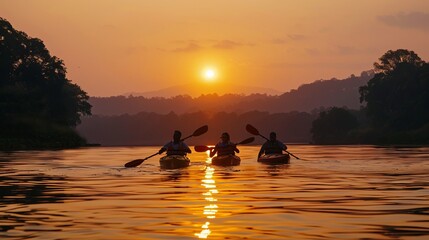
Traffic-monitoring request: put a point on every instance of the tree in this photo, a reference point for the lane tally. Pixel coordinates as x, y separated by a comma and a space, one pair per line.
34, 89
333, 126
391, 59
396, 98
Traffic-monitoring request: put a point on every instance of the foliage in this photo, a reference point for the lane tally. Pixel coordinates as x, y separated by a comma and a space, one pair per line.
397, 98
34, 86
392, 59
332, 126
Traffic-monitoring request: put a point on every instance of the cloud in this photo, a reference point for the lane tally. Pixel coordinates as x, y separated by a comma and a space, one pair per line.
197, 45
185, 41
191, 47
133, 50
297, 37
414, 20
109, 27
290, 38
278, 41
312, 51
229, 44
346, 50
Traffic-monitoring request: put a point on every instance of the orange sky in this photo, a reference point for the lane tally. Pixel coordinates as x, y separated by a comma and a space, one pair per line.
113, 47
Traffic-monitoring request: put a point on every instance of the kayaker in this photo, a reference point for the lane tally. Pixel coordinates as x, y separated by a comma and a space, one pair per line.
175, 147
272, 146
224, 147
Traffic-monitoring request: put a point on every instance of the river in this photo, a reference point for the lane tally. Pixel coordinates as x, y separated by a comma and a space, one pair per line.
333, 192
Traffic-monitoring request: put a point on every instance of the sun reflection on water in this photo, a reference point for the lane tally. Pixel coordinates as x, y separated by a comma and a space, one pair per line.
211, 208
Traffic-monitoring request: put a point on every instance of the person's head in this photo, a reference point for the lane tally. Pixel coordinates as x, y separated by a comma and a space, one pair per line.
177, 135
224, 137
273, 136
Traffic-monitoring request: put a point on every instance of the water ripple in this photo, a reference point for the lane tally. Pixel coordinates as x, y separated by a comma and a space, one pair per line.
337, 192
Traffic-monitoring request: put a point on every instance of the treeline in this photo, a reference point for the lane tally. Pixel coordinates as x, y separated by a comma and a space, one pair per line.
156, 129
396, 111
39, 106
321, 93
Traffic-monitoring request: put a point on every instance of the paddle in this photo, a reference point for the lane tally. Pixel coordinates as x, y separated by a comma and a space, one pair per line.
251, 129
198, 132
135, 163
205, 148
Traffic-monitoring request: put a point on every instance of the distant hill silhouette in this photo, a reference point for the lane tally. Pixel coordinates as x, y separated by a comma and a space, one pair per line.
156, 129
195, 90
308, 97
136, 120
319, 94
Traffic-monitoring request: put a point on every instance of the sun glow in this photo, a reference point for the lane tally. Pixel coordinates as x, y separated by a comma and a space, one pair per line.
209, 74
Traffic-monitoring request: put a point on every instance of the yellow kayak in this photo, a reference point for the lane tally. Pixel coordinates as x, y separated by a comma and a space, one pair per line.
226, 160
174, 161
274, 158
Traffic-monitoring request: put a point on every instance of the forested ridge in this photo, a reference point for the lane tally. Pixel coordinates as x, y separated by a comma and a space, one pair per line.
396, 104
321, 93
39, 105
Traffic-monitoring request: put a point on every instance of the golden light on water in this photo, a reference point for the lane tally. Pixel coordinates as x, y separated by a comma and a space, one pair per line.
209, 174
211, 208
205, 232
283, 202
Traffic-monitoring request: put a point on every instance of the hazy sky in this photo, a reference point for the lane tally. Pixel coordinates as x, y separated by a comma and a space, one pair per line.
111, 47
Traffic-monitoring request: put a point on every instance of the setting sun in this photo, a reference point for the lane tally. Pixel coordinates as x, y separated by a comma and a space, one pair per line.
209, 74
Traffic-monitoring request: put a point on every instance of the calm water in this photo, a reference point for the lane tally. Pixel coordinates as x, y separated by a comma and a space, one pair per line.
338, 192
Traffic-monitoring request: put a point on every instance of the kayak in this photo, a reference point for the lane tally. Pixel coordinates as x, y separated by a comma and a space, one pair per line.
174, 161
274, 158
226, 160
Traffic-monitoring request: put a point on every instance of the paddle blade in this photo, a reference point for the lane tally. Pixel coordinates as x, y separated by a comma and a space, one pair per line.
134, 163
200, 131
246, 141
293, 155
201, 148
251, 129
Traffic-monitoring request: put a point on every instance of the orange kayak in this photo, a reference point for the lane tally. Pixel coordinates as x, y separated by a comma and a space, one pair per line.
226, 160
274, 158
174, 161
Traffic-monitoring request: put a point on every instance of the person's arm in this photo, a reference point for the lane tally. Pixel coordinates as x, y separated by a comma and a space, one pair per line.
235, 148
187, 149
213, 151
283, 146
261, 151
164, 148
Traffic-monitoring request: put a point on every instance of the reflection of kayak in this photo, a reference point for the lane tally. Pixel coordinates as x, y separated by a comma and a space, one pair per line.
274, 158
226, 160
174, 161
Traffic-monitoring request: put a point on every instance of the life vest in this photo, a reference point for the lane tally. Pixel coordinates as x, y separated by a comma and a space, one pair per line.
273, 147
176, 148
225, 149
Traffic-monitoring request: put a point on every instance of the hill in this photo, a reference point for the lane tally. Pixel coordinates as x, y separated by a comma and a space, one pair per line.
319, 94
156, 129
196, 90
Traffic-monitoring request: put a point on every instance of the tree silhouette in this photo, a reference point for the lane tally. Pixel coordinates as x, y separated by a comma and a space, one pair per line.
34, 90
333, 126
391, 59
397, 97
